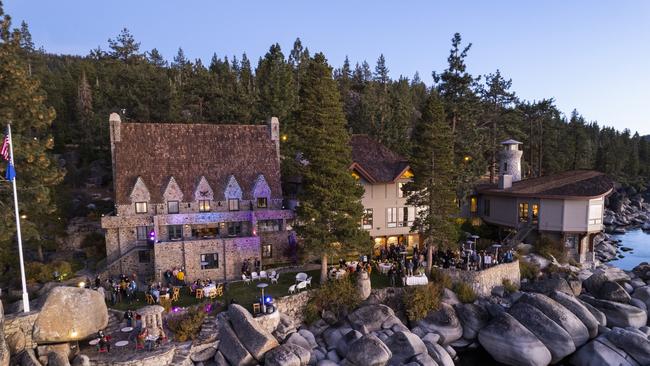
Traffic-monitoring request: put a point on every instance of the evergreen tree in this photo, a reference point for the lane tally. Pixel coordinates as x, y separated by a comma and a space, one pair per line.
330, 204
432, 186
22, 103
156, 59
276, 87
124, 47
26, 42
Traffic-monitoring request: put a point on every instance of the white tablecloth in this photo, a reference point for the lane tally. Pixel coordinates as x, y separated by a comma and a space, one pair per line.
208, 288
384, 267
416, 280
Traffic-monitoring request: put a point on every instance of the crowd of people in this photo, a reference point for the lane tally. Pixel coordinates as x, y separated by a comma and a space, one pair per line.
175, 276
250, 265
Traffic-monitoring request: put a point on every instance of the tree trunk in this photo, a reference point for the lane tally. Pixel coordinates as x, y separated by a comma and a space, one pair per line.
39, 253
323, 269
429, 257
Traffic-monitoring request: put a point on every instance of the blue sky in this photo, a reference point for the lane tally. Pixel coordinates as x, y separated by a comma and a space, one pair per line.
590, 55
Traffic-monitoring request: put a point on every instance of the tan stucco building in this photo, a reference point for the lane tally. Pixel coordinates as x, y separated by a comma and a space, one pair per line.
382, 173
204, 197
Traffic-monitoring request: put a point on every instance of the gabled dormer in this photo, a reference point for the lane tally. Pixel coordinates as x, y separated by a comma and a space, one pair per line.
261, 192
173, 196
233, 193
204, 195
140, 196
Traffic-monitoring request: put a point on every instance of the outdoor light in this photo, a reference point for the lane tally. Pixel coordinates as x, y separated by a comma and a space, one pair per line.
73, 333
23, 216
284, 137
467, 158
82, 284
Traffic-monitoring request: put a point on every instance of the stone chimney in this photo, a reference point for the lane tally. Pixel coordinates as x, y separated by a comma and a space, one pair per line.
505, 181
510, 161
274, 133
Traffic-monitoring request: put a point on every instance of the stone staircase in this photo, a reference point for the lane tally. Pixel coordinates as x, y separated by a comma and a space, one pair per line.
182, 355
114, 322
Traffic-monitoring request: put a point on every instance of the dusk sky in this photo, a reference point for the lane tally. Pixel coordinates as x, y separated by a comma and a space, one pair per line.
590, 55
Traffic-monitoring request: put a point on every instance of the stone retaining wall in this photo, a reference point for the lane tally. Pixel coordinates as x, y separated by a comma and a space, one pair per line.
484, 281
18, 331
293, 305
156, 358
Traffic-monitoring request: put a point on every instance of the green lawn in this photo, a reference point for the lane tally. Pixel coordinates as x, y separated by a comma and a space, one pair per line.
247, 294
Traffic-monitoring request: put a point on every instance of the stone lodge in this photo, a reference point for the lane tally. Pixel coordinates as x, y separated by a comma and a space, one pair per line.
200, 196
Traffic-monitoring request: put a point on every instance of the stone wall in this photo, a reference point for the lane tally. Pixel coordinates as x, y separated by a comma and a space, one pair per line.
293, 305
18, 331
484, 281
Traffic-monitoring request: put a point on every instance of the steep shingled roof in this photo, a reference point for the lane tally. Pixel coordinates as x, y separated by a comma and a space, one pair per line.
376, 161
565, 185
157, 151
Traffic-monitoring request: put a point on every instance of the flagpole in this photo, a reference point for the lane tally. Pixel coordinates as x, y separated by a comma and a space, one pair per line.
20, 240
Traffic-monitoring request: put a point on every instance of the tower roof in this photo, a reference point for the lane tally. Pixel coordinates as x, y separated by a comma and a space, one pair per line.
511, 142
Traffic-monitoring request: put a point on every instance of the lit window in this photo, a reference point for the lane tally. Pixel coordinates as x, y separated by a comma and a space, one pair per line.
535, 212
267, 251
233, 204
172, 207
141, 207
262, 202
400, 190
204, 205
209, 261
366, 221
523, 212
406, 215
473, 205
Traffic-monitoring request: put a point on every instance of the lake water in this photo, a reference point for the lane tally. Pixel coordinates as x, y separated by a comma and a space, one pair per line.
639, 241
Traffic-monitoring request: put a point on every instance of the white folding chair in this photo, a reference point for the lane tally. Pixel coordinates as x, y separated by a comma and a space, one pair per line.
308, 282
263, 275
245, 279
274, 278
301, 286
292, 289
273, 273
254, 276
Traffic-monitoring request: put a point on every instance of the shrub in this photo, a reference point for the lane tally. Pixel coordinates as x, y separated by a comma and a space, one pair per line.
440, 277
465, 292
509, 286
339, 297
94, 245
528, 270
41, 272
166, 303
187, 325
421, 300
548, 248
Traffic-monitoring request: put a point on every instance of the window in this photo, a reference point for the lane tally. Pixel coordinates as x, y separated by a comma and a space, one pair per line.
175, 232
406, 215
400, 190
391, 217
142, 232
141, 207
205, 231
267, 251
233, 204
366, 221
505, 167
473, 205
595, 214
269, 225
172, 207
523, 212
204, 205
262, 202
210, 261
144, 256
234, 228
486, 208
535, 213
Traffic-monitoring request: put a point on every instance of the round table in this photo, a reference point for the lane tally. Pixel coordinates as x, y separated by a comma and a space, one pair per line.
151, 338
126, 329
121, 343
384, 267
94, 342
262, 285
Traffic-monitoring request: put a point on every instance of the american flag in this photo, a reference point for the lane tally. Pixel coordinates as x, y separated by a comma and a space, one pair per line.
5, 148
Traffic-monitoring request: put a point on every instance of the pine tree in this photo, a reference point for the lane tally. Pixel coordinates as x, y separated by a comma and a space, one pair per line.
276, 87
330, 204
124, 47
432, 186
156, 59
22, 103
85, 112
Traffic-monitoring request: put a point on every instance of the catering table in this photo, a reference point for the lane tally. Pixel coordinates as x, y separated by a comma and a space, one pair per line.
384, 267
416, 280
121, 343
208, 288
94, 342
126, 329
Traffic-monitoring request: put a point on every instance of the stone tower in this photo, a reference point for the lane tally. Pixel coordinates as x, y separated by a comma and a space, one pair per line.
510, 160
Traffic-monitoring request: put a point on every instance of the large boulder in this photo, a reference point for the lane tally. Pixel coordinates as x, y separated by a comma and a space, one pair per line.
287, 355
370, 318
547, 286
343, 345
509, 342
599, 315
473, 318
612, 291
643, 294
231, 348
618, 314
254, 337
633, 343
444, 322
403, 346
438, 353
4, 349
57, 359
560, 315
599, 352
368, 351
594, 282
556, 339
363, 285
70, 314
579, 310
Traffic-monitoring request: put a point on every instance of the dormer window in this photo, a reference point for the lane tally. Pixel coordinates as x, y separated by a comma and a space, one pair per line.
204, 205
262, 202
172, 207
141, 207
233, 204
